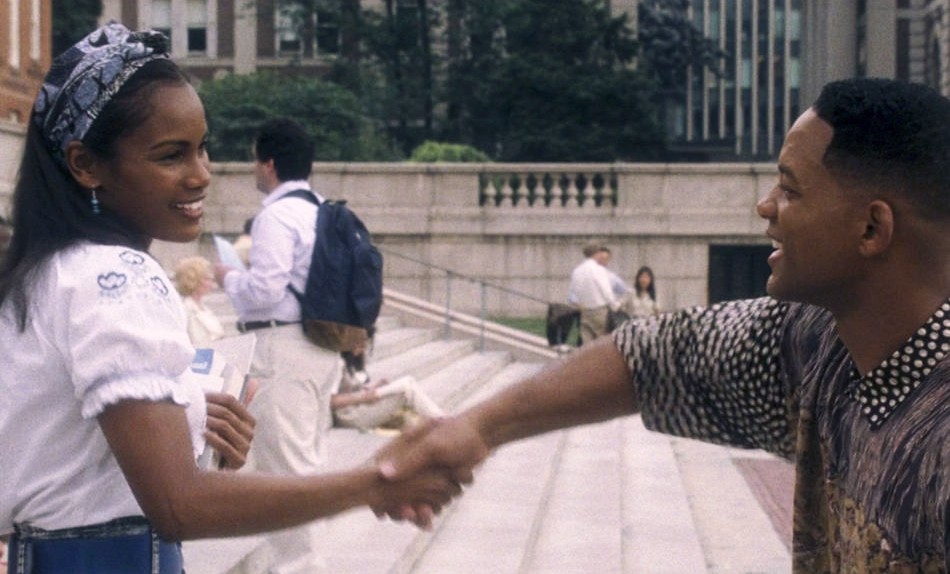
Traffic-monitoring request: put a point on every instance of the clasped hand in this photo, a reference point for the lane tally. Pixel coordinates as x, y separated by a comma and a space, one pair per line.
450, 447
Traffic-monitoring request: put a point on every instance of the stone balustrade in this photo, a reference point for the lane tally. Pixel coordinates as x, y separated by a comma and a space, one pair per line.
517, 225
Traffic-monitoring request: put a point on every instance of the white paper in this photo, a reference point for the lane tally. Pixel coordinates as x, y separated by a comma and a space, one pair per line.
227, 254
223, 367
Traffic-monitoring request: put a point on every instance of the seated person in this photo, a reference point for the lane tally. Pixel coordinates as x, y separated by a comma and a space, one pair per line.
364, 404
194, 279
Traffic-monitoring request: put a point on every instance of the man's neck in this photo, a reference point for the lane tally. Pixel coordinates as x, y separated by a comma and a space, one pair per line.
873, 330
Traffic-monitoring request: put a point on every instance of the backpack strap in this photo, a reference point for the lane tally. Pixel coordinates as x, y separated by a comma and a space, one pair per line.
302, 194
312, 198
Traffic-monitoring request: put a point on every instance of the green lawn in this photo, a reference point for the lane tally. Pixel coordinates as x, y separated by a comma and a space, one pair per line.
532, 325
535, 326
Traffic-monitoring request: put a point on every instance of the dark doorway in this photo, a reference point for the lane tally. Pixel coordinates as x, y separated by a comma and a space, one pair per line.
737, 271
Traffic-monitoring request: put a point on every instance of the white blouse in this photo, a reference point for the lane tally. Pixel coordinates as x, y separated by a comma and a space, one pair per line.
104, 324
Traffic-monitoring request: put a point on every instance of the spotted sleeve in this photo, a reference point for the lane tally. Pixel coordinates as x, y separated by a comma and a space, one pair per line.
728, 373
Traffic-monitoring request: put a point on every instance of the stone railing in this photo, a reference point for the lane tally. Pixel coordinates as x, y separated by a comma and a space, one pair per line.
548, 187
517, 225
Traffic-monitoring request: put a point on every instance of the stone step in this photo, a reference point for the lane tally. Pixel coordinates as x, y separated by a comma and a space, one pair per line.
610, 497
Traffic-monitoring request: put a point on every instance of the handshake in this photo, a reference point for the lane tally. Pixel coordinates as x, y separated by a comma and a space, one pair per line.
426, 466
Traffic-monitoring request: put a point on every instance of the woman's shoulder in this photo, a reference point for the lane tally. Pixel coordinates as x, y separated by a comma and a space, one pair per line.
85, 253
107, 269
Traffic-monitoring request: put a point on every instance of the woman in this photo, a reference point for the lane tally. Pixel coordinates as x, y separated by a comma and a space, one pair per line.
100, 423
194, 279
643, 302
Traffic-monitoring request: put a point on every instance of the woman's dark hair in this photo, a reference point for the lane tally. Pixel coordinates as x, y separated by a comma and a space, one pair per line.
651, 289
892, 134
51, 211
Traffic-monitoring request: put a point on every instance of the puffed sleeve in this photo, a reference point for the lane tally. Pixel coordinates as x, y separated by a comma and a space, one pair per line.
119, 326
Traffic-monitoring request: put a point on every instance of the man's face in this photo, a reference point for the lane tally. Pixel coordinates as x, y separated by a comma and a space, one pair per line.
602, 257
263, 174
815, 222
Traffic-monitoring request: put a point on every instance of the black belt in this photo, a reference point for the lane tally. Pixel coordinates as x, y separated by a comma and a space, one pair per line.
245, 326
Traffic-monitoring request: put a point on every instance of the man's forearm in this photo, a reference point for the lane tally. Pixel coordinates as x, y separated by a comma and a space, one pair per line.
589, 386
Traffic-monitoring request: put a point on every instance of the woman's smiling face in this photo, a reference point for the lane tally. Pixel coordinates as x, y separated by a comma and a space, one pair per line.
157, 178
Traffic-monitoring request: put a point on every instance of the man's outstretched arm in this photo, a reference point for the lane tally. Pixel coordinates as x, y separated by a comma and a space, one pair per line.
589, 386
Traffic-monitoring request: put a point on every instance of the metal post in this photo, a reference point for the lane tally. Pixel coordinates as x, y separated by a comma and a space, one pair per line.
483, 314
448, 304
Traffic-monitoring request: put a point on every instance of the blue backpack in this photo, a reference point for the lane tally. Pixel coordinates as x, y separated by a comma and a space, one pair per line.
344, 290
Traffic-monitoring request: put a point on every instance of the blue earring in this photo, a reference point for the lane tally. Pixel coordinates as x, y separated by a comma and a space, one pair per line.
94, 202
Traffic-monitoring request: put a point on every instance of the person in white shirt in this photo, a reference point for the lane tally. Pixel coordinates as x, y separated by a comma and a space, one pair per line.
194, 278
591, 290
101, 417
296, 378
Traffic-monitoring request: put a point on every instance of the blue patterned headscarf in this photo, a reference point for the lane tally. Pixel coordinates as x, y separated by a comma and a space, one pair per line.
85, 77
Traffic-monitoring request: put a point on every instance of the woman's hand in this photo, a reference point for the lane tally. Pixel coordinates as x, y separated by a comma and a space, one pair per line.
418, 498
230, 429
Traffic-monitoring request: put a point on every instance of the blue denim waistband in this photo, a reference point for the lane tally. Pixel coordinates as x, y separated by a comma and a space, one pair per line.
125, 545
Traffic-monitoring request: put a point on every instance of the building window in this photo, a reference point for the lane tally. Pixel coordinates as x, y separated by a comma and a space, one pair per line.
306, 31
328, 32
197, 26
162, 17
737, 271
289, 25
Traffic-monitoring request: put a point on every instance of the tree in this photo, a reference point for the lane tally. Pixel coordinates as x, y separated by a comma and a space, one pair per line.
399, 41
546, 81
671, 44
237, 105
72, 21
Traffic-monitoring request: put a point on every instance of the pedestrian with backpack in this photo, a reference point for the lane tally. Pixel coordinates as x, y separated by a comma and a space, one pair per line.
292, 405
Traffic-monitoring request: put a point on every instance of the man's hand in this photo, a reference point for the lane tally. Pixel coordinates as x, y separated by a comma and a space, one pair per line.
451, 443
230, 429
220, 270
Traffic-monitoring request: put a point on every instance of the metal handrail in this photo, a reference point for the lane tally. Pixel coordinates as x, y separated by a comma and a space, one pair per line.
451, 274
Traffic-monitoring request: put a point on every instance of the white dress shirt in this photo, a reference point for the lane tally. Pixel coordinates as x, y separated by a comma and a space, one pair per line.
590, 286
104, 324
282, 240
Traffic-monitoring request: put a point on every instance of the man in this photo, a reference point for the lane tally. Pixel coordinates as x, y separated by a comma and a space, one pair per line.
292, 405
592, 291
843, 369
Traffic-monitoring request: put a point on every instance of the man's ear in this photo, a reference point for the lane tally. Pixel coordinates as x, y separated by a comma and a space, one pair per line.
82, 164
879, 228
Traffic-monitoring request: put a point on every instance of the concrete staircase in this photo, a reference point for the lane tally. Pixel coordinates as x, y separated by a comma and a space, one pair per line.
603, 498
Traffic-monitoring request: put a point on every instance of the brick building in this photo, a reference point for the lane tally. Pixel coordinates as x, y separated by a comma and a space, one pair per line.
25, 55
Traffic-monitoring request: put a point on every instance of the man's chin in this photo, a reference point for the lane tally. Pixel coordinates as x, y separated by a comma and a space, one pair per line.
774, 288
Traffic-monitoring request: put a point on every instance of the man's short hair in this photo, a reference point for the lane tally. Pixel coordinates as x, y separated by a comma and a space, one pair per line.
592, 249
287, 143
891, 135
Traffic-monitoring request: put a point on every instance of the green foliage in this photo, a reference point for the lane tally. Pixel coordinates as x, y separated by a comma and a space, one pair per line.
237, 104
553, 82
72, 20
432, 152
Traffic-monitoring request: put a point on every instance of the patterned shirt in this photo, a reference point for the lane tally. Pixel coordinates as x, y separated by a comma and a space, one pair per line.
872, 452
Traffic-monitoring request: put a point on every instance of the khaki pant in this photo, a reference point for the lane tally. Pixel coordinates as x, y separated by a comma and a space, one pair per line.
593, 323
292, 408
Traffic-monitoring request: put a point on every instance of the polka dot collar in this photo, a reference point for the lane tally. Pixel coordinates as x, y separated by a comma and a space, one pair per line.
882, 390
